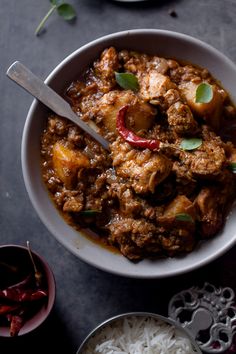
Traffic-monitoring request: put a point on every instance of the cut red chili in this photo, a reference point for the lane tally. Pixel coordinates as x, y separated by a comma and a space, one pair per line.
130, 136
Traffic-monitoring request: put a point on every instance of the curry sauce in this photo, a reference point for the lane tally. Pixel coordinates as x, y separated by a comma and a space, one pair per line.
168, 180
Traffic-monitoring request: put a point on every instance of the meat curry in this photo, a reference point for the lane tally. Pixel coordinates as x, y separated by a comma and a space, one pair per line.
168, 180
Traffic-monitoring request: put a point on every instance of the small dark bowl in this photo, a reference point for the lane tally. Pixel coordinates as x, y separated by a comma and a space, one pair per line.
17, 257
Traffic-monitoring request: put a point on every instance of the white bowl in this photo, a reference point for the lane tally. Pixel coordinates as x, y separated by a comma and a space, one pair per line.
160, 42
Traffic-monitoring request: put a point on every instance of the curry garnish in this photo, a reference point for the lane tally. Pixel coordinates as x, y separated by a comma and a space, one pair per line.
65, 10
127, 81
204, 93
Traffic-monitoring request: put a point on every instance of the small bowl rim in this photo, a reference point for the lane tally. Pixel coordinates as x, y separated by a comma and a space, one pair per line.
162, 318
51, 282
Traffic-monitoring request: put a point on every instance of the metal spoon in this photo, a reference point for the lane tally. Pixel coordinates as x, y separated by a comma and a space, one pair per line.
37, 88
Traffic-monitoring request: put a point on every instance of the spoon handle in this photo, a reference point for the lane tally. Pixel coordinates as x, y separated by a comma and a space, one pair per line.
37, 88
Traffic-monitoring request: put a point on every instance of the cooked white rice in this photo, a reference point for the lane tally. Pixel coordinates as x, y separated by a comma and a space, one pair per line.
139, 335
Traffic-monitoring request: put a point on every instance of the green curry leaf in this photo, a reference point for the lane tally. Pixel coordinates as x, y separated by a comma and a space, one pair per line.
232, 167
127, 81
66, 11
191, 143
184, 217
204, 93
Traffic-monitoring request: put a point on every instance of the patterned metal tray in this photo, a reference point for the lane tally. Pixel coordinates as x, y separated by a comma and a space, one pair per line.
209, 314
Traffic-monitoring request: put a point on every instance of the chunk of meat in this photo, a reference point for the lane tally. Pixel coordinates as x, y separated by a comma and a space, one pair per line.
74, 204
185, 181
140, 115
159, 64
82, 95
208, 159
180, 118
134, 236
210, 212
134, 62
66, 163
137, 63
160, 90
177, 240
105, 69
213, 203
187, 73
154, 85
145, 169
130, 203
57, 125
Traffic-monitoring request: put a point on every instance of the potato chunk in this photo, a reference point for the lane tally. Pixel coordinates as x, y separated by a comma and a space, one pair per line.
212, 110
140, 115
181, 205
66, 163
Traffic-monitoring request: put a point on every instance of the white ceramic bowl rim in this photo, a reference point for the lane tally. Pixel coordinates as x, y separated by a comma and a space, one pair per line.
99, 257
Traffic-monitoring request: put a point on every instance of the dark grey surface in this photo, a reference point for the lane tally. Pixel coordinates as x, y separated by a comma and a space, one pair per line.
86, 296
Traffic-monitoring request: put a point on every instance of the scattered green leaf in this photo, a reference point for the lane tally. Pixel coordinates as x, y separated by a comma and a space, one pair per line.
232, 167
204, 93
90, 212
127, 81
65, 10
191, 143
184, 217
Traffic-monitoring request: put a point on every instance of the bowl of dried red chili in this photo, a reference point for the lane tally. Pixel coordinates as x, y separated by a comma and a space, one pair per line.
27, 290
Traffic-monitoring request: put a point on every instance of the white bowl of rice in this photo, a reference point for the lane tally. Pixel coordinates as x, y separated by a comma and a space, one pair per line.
139, 333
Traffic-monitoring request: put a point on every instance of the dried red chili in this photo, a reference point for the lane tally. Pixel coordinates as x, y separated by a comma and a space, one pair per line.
6, 309
17, 302
20, 295
130, 136
17, 322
